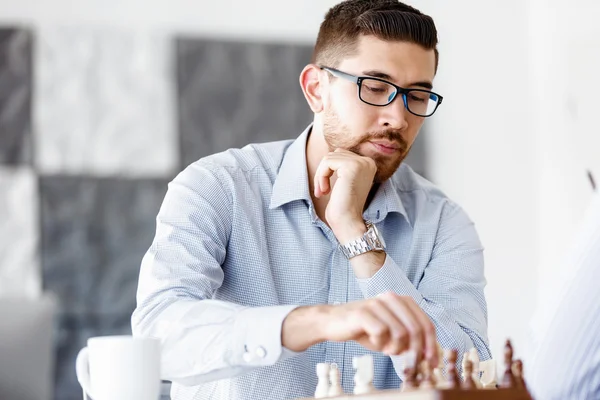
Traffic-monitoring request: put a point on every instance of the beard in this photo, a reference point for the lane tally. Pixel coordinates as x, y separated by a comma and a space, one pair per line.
339, 136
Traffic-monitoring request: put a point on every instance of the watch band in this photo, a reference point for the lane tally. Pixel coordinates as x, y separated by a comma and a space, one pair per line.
368, 242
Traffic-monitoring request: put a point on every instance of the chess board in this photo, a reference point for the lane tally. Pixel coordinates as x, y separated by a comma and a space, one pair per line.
442, 394
423, 381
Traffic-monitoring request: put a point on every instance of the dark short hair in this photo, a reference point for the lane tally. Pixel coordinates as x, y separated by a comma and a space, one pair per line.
385, 19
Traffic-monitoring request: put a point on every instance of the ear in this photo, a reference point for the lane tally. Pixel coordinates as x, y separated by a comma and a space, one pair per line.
312, 86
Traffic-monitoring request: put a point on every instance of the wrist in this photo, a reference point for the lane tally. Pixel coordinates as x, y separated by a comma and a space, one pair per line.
346, 231
304, 327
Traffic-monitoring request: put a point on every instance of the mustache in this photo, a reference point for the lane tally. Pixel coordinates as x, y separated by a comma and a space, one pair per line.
392, 135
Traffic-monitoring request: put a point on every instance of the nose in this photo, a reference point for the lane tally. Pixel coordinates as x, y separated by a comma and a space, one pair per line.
394, 114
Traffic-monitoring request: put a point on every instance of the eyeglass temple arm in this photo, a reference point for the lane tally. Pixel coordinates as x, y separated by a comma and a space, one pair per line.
341, 74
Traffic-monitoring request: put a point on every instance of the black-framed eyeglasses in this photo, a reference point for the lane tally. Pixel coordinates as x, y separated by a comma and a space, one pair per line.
378, 92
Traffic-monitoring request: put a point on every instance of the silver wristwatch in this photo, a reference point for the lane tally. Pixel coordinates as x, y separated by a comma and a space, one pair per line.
371, 240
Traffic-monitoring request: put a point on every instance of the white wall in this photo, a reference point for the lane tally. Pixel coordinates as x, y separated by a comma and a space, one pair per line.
509, 162
483, 149
566, 92
273, 19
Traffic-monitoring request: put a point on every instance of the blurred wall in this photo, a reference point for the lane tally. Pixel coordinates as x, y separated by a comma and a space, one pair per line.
295, 21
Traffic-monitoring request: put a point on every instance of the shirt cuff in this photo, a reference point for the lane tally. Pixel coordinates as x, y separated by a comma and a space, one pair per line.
257, 336
389, 278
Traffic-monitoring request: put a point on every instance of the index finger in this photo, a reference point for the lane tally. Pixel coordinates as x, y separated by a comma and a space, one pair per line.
407, 316
321, 178
429, 334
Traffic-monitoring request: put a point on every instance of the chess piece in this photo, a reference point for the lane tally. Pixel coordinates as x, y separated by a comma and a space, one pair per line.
488, 374
322, 389
335, 389
517, 369
468, 383
410, 379
428, 380
438, 377
451, 373
363, 377
474, 357
440, 351
508, 379
463, 364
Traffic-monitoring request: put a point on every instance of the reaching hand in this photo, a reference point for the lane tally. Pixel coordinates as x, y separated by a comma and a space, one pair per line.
388, 323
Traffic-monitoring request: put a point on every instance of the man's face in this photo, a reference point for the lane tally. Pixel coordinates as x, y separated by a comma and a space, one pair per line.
387, 133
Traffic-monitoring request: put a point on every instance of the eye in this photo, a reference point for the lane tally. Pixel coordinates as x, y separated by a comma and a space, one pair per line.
420, 97
376, 88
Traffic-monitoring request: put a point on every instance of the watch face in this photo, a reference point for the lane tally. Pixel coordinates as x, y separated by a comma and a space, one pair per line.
378, 236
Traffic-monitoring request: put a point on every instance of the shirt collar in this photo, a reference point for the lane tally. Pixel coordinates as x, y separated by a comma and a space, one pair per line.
292, 184
386, 200
292, 179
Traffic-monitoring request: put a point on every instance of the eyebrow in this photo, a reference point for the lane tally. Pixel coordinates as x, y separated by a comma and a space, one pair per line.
383, 75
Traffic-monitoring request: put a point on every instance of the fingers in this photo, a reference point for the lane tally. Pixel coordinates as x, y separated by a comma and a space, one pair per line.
398, 340
405, 314
333, 162
388, 323
431, 350
328, 166
321, 179
374, 327
421, 329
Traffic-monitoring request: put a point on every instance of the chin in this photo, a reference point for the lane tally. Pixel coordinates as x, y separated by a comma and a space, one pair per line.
387, 169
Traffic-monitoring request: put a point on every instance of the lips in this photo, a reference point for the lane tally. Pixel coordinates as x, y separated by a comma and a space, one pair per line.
389, 145
385, 147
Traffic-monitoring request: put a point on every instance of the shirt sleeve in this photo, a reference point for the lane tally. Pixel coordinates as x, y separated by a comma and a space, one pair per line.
202, 339
564, 357
451, 291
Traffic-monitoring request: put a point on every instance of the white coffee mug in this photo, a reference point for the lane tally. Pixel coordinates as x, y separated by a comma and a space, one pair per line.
120, 368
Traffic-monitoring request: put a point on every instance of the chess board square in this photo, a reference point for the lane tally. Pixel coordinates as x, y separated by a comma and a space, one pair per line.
104, 103
94, 235
19, 233
234, 93
15, 96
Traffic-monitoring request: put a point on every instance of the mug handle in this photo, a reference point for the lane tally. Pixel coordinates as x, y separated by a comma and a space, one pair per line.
83, 372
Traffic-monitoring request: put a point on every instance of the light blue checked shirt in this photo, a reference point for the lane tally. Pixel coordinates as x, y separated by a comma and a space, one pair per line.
564, 353
238, 246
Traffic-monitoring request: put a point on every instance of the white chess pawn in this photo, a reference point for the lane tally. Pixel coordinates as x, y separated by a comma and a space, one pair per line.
322, 389
488, 374
464, 365
334, 377
440, 380
363, 378
474, 357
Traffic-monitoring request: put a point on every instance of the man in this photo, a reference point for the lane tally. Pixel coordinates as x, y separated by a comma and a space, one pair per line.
272, 258
564, 354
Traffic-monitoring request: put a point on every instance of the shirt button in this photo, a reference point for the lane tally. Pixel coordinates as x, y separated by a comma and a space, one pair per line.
261, 352
247, 357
